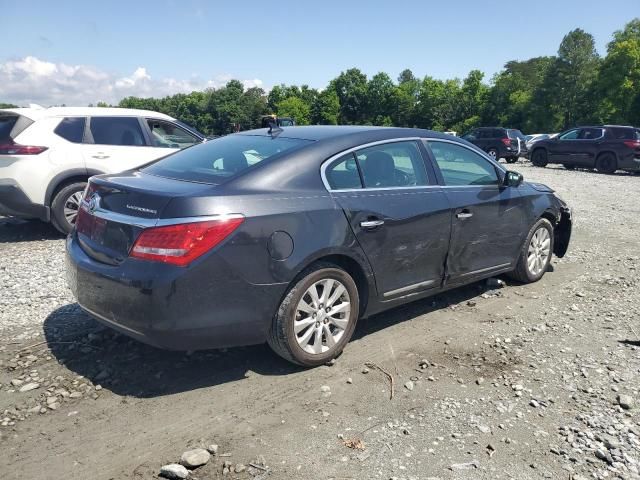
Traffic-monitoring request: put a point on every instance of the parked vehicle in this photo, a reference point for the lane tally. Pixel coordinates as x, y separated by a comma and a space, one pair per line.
606, 148
329, 224
498, 142
536, 137
47, 154
268, 120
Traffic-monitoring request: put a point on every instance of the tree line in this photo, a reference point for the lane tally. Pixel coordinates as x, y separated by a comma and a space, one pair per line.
542, 94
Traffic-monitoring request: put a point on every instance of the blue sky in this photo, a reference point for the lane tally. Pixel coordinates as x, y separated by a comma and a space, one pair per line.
142, 47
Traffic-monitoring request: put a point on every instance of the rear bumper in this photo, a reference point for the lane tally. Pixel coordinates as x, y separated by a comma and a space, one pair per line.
15, 203
198, 307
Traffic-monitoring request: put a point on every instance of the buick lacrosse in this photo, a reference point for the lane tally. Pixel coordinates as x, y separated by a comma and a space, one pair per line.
290, 235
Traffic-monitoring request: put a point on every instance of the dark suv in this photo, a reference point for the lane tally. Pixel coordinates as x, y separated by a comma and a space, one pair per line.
499, 142
606, 148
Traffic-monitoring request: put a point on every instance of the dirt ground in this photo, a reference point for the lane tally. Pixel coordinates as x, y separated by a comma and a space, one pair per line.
522, 382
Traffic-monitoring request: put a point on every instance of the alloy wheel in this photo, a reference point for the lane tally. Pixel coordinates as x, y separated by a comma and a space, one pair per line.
492, 153
71, 207
322, 316
539, 251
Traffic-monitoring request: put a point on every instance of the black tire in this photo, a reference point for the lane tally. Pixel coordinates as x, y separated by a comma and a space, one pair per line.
606, 163
493, 153
282, 337
522, 272
512, 159
65, 197
569, 166
539, 158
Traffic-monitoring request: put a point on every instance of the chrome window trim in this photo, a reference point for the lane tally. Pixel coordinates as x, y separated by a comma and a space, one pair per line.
327, 162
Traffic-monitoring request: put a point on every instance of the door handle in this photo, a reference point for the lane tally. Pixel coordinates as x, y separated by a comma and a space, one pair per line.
100, 156
371, 223
464, 214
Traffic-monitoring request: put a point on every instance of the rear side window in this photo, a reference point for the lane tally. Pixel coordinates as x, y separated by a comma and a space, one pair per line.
124, 131
462, 167
218, 160
389, 165
624, 133
71, 128
11, 125
343, 173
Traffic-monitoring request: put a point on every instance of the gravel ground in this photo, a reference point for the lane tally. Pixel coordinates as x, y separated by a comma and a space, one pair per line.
536, 381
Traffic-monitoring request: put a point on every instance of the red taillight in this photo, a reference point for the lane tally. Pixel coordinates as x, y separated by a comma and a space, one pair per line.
15, 149
182, 243
506, 141
632, 144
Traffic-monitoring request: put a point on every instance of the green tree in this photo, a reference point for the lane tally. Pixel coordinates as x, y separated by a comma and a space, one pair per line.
296, 108
351, 88
619, 78
326, 108
7, 105
381, 100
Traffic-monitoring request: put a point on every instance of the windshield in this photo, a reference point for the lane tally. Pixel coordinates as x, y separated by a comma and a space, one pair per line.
218, 160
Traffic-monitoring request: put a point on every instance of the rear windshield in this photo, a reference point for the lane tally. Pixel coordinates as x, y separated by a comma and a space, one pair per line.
11, 125
217, 160
624, 133
516, 134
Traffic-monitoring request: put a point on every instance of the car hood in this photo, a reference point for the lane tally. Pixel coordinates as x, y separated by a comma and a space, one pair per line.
541, 187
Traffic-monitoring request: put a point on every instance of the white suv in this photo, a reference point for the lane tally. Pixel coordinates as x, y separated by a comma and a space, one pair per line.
47, 154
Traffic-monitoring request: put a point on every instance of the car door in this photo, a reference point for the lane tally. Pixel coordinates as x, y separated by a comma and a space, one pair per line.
114, 144
589, 141
488, 220
399, 215
565, 148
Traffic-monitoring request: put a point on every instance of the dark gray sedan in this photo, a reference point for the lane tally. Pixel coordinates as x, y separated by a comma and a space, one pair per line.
290, 235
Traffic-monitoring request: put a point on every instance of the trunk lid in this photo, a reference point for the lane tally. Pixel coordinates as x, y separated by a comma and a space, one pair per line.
116, 208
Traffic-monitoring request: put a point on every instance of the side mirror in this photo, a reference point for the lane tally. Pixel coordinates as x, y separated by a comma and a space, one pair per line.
512, 179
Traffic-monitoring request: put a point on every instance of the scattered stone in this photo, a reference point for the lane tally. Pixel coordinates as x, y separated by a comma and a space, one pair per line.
625, 401
409, 385
29, 386
479, 381
365, 370
174, 471
465, 466
349, 380
213, 449
195, 458
239, 468
325, 389
534, 403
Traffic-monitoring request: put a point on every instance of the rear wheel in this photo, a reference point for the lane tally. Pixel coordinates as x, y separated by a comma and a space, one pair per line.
569, 166
65, 206
493, 153
317, 317
535, 255
606, 163
512, 159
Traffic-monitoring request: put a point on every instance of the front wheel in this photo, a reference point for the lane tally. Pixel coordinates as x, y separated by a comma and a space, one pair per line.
65, 206
512, 159
535, 255
539, 158
317, 317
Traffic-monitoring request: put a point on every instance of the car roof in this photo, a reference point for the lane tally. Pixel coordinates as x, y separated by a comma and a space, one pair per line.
327, 132
36, 113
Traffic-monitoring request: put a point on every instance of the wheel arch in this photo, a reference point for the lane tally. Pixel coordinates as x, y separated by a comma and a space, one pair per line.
604, 152
360, 273
65, 178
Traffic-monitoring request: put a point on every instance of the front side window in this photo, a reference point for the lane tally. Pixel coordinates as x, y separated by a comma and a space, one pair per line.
397, 164
343, 173
71, 129
124, 131
462, 167
570, 135
217, 160
169, 135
